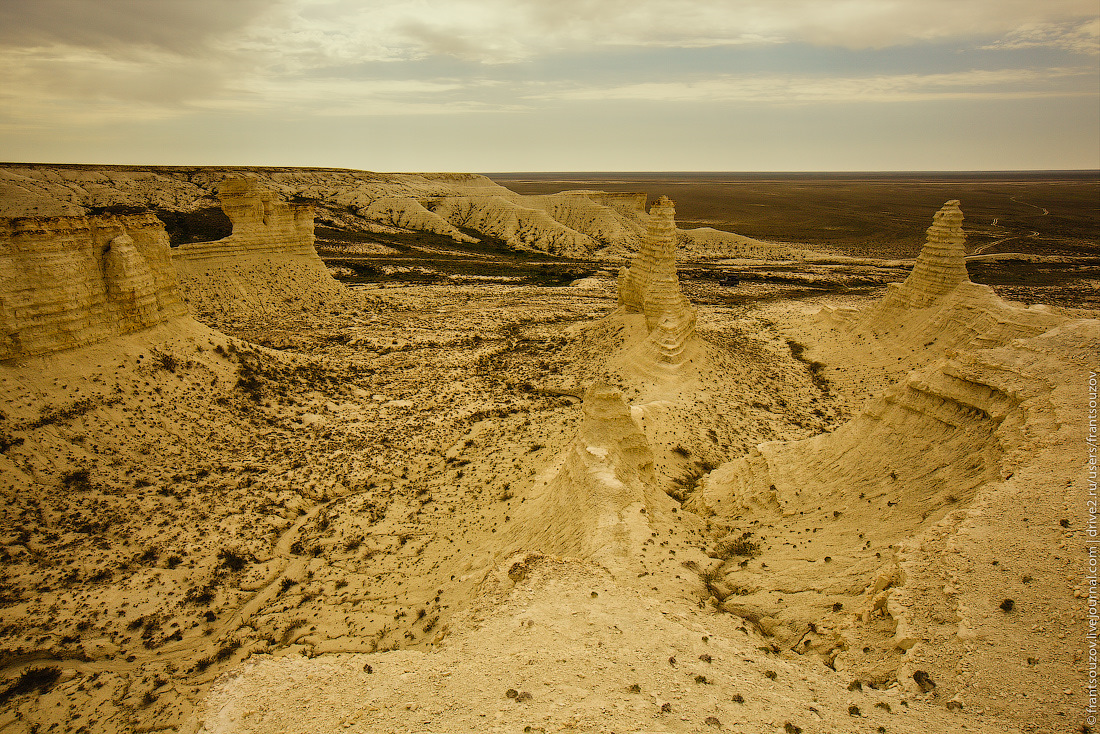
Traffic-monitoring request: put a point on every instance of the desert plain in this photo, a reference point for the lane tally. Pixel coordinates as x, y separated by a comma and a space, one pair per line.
327, 450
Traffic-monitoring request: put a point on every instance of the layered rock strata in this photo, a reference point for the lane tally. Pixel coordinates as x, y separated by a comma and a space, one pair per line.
67, 282
910, 508
941, 266
262, 225
650, 286
268, 264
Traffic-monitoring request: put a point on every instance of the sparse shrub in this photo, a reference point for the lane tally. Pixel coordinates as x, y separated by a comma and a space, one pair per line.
232, 559
32, 680
103, 574
77, 480
226, 650
685, 484
200, 596
165, 361
740, 546
150, 555
710, 577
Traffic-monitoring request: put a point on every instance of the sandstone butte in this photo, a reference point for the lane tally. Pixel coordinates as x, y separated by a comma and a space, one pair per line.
906, 570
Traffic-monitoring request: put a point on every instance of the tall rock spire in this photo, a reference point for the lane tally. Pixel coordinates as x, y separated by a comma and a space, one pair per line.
941, 265
651, 287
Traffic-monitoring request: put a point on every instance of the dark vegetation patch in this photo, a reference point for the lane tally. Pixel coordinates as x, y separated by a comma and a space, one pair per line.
425, 258
116, 209
816, 368
741, 545
66, 413
32, 680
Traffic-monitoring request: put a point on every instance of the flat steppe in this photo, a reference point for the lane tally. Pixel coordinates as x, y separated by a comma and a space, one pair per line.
866, 214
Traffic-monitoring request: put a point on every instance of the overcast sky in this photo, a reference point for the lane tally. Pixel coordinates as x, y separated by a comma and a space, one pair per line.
556, 85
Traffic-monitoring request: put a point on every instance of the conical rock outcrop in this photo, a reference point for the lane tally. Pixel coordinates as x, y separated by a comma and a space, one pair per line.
941, 266
938, 307
650, 286
593, 507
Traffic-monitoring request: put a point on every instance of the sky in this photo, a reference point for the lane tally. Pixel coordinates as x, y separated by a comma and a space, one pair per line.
556, 85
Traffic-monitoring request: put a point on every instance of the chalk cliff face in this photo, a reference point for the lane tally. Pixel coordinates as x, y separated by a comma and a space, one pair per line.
70, 281
410, 214
262, 224
268, 263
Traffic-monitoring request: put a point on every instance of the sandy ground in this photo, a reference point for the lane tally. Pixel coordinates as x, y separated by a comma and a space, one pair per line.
351, 496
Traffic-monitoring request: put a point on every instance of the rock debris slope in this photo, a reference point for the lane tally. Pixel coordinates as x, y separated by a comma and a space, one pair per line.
559, 646
594, 506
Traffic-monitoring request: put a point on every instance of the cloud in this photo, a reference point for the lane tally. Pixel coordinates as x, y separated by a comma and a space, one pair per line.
67, 61
505, 31
181, 26
785, 89
1083, 38
351, 97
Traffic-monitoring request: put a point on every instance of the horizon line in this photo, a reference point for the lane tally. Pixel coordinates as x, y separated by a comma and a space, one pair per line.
1095, 171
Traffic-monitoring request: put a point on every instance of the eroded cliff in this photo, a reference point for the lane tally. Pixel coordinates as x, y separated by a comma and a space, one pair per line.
463, 207
70, 281
268, 264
